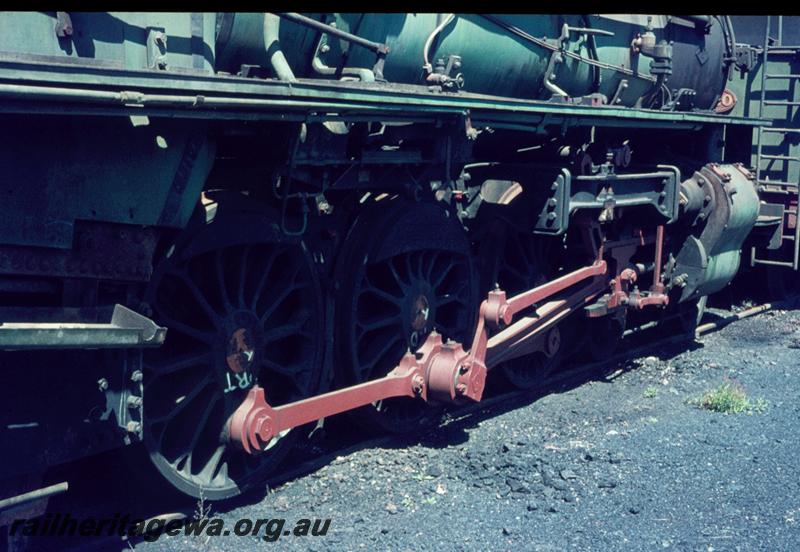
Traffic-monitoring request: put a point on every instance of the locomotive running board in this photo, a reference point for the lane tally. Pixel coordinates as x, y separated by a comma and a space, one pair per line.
439, 371
126, 328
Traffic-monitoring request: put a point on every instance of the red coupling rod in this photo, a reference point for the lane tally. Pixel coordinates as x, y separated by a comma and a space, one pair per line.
439, 371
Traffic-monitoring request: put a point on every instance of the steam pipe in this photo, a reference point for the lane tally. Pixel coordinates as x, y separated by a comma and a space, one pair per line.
380, 49
272, 25
440, 25
363, 74
325, 28
554, 89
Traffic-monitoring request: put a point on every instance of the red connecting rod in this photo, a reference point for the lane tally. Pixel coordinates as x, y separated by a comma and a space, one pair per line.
438, 371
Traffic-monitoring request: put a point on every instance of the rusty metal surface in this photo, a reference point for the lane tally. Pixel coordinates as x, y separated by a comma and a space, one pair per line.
111, 251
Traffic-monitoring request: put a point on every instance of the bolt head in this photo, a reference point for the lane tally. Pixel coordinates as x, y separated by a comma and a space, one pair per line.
418, 384
264, 427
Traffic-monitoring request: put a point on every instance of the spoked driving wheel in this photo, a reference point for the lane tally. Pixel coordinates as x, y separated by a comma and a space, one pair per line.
242, 306
397, 287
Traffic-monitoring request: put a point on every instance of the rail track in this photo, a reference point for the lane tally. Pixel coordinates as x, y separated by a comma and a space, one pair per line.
638, 342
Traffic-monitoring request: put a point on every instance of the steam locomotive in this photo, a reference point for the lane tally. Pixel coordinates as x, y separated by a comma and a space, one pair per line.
220, 228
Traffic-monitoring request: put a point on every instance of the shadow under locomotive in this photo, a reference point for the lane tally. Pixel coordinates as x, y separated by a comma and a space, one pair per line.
103, 486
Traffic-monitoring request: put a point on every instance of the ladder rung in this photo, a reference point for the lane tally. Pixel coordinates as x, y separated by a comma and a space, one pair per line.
780, 157
778, 183
783, 76
780, 130
781, 102
777, 190
773, 263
